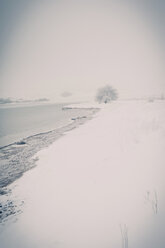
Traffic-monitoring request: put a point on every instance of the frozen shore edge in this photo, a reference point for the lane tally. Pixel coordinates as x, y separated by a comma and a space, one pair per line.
8, 206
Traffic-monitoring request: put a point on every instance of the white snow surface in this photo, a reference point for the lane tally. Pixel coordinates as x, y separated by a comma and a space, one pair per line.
99, 186
85, 105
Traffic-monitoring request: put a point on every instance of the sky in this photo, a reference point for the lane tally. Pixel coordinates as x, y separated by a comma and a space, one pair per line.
65, 48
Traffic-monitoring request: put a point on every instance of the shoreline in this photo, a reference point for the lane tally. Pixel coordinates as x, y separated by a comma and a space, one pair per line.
7, 207
42, 133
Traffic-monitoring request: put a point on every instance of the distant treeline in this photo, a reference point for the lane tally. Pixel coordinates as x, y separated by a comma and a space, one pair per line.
9, 100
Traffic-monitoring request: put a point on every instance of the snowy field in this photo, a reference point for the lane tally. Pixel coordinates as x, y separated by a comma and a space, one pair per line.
99, 186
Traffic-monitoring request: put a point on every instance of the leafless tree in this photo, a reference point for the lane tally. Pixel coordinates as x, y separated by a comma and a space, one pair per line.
106, 94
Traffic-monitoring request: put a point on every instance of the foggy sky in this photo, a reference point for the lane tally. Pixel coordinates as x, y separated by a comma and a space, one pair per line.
50, 47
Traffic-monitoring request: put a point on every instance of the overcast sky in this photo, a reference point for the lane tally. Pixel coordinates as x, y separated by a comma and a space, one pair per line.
48, 47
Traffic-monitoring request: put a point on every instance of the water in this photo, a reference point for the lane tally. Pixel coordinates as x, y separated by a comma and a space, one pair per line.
19, 122
26, 130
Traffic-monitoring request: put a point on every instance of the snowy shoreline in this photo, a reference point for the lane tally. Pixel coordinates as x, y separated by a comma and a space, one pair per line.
99, 186
21, 159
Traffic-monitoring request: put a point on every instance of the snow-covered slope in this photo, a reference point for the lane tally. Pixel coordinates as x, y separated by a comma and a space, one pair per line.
99, 186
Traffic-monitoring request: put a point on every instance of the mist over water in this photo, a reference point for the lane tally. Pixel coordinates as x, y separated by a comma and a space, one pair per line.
79, 46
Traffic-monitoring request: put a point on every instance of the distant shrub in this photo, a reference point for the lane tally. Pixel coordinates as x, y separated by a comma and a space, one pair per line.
106, 94
5, 100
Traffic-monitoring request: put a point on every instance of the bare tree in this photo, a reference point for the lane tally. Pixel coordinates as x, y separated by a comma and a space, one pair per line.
106, 94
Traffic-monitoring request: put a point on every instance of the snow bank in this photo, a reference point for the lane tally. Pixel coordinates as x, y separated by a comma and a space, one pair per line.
84, 105
99, 186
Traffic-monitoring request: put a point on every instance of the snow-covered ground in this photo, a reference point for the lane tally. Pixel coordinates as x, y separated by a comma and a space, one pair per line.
99, 186
85, 105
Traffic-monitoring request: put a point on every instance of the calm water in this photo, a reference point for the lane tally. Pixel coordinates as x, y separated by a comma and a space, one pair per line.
17, 123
